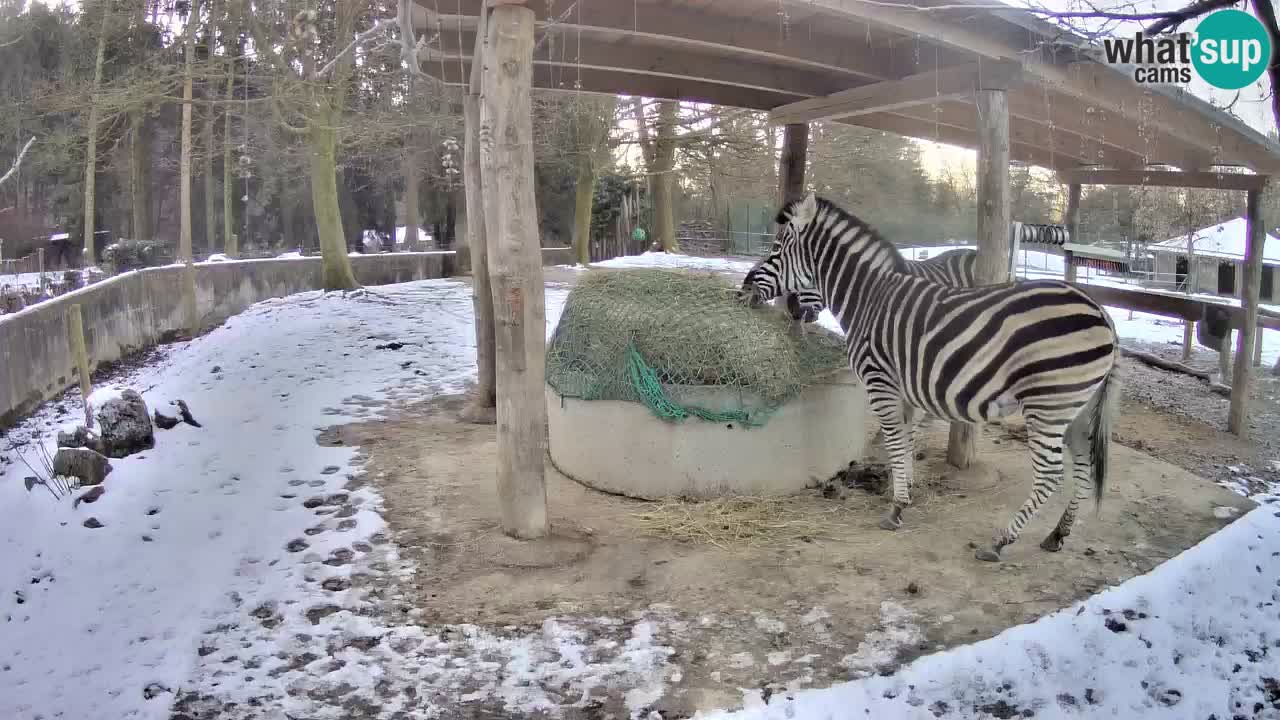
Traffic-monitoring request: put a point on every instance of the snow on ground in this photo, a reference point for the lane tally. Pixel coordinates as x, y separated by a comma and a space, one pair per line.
219, 568
1198, 637
27, 280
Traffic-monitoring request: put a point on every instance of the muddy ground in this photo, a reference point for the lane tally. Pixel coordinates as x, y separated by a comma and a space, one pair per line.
843, 603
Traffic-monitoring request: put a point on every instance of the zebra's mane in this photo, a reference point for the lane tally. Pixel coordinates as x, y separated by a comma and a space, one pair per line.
835, 213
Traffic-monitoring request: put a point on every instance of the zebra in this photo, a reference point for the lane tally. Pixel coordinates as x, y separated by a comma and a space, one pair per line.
964, 354
954, 268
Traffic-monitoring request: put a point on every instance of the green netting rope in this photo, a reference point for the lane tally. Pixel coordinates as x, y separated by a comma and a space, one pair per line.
647, 386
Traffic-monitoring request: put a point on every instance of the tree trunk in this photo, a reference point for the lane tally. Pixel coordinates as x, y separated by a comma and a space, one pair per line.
140, 174
91, 148
231, 241
993, 227
642, 133
337, 274
583, 195
412, 214
184, 164
795, 151
664, 177
511, 217
210, 196
483, 404
288, 215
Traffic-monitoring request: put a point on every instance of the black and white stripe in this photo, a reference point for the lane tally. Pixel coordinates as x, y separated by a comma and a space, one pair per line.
970, 355
954, 268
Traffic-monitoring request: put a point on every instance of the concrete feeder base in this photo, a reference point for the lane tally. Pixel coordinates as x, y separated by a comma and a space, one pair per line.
621, 447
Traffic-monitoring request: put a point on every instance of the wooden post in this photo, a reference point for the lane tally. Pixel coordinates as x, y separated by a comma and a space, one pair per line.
993, 226
1257, 345
1072, 221
40, 266
481, 409
515, 266
80, 354
1242, 377
795, 154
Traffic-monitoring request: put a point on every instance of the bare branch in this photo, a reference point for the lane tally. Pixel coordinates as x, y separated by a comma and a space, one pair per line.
1195, 9
361, 38
17, 162
408, 44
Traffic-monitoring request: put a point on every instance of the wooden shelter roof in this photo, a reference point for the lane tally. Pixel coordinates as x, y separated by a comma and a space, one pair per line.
880, 64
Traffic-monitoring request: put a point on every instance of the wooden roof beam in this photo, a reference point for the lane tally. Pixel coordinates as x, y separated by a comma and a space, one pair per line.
612, 82
630, 57
963, 116
930, 87
680, 25
1163, 178
961, 137
1093, 83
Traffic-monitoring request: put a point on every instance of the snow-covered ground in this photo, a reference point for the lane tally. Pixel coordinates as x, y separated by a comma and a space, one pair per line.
211, 570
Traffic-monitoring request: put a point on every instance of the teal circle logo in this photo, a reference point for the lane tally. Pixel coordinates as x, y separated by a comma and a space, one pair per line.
1232, 49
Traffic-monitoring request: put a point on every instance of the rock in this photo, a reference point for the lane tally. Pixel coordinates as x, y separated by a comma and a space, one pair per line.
216, 369
126, 425
164, 422
186, 414
89, 497
93, 523
81, 437
89, 466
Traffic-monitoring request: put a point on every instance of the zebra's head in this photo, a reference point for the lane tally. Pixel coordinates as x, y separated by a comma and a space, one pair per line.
787, 266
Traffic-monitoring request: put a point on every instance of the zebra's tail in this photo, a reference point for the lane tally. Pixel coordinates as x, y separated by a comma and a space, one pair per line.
1104, 407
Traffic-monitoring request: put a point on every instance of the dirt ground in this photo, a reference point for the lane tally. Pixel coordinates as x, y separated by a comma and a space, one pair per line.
845, 602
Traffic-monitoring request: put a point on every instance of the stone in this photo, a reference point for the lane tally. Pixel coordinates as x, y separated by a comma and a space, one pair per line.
81, 437
90, 496
125, 425
93, 523
88, 466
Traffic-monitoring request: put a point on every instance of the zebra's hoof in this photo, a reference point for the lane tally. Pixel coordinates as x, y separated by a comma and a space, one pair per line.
987, 555
1052, 543
892, 520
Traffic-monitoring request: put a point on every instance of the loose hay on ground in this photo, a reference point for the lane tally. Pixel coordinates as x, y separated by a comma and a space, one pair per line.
746, 521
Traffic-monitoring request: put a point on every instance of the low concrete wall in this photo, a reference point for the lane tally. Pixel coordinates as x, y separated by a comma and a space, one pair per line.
620, 447
136, 310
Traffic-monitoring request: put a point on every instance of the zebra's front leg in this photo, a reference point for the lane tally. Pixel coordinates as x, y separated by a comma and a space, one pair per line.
895, 423
1045, 443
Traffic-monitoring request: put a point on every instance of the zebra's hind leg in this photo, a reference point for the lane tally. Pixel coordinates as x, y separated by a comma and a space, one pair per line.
899, 442
1081, 468
1045, 438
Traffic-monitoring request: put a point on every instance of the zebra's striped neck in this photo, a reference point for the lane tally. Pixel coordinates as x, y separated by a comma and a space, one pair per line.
851, 263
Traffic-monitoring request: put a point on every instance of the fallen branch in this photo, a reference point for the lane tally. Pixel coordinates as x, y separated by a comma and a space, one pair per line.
17, 161
1211, 378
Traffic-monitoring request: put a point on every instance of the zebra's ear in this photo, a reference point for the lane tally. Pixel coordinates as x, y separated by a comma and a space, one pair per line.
805, 210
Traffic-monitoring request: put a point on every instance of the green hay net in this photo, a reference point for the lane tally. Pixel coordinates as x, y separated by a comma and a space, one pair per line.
665, 337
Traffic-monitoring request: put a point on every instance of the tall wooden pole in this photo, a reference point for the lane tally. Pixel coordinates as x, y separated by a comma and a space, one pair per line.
795, 152
993, 226
1242, 374
515, 265
482, 406
1072, 221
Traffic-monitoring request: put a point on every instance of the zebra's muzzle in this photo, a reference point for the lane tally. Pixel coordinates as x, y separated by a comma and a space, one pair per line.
749, 295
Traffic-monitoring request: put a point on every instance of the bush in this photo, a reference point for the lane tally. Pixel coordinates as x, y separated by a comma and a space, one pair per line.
125, 255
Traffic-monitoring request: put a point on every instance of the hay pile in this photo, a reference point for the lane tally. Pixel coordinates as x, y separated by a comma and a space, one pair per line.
657, 336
